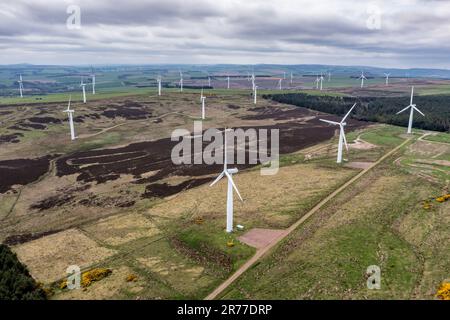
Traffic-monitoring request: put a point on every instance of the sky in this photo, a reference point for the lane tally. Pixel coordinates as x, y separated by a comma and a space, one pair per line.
395, 33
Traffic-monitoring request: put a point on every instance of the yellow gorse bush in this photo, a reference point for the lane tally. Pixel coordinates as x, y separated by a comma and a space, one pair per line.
443, 292
443, 198
94, 275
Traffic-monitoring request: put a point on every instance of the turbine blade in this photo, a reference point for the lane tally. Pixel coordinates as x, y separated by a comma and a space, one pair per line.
412, 94
348, 113
217, 179
329, 121
418, 111
404, 109
234, 186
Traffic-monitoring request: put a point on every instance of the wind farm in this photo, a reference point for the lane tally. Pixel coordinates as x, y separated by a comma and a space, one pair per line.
244, 174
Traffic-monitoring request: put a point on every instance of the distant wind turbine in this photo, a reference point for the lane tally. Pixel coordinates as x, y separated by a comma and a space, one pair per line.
93, 81
83, 86
279, 84
70, 114
209, 81
228, 82
411, 115
321, 82
387, 78
20, 86
181, 81
255, 91
342, 139
228, 173
159, 84
362, 77
317, 82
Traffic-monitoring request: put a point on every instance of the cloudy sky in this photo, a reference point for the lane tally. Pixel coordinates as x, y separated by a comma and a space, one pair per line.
394, 33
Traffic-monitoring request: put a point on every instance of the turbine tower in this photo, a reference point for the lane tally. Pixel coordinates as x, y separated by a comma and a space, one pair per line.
209, 81
253, 81
342, 139
159, 85
20, 86
203, 107
93, 81
70, 114
411, 114
321, 82
387, 78
279, 84
291, 78
362, 77
201, 95
228, 82
181, 81
83, 86
228, 173
255, 91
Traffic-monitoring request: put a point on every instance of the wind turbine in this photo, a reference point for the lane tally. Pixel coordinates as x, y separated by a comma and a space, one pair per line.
228, 82
411, 115
159, 84
387, 78
209, 81
317, 82
93, 81
70, 114
279, 84
321, 82
255, 89
201, 95
362, 77
20, 86
181, 81
228, 173
253, 81
342, 139
83, 86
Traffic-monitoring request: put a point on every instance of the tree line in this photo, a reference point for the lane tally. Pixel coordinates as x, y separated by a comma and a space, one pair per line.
378, 109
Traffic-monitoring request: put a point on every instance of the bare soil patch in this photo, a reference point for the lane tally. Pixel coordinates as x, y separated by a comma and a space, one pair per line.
260, 238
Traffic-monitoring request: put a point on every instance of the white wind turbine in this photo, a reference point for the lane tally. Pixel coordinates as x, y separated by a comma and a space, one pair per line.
253, 81
387, 78
317, 81
255, 91
209, 81
20, 86
342, 139
228, 173
321, 82
201, 95
159, 84
203, 107
411, 115
83, 86
181, 81
228, 82
362, 77
70, 113
279, 84
93, 82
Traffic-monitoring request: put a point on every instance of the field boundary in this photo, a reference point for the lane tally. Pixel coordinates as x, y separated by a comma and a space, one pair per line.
260, 253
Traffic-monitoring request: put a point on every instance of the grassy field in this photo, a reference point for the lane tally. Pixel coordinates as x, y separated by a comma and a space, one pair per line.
381, 220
